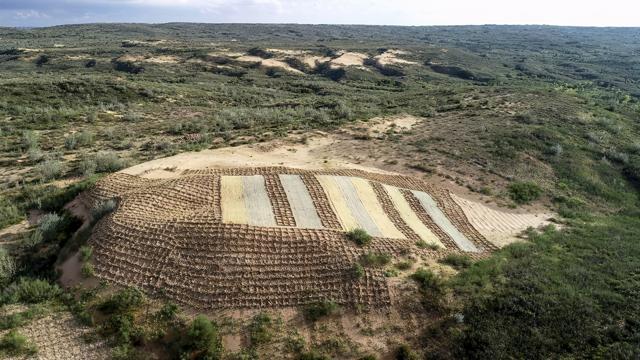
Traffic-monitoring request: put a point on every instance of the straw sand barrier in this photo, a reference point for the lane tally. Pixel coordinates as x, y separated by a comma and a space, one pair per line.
443, 222
499, 227
338, 203
409, 216
369, 200
232, 200
257, 201
300, 201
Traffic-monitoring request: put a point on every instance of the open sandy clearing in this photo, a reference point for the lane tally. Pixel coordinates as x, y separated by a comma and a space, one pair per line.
349, 59
390, 57
269, 63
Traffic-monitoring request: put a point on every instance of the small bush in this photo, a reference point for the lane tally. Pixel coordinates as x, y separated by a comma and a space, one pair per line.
49, 170
259, 330
29, 140
50, 226
427, 280
16, 344
457, 261
103, 208
9, 213
31, 291
90, 63
87, 270
359, 236
123, 301
404, 265
425, 245
85, 253
42, 59
108, 162
357, 271
375, 259
524, 192
202, 340
71, 142
7, 267
404, 352
167, 312
318, 310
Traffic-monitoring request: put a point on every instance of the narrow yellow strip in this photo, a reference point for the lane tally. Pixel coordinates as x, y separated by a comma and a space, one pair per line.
410, 217
370, 201
233, 204
337, 201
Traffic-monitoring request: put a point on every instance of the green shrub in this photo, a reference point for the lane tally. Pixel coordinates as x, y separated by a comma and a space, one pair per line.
167, 312
260, 329
102, 208
16, 344
357, 271
312, 355
87, 270
404, 265
202, 340
359, 236
50, 225
404, 352
71, 142
49, 170
108, 162
124, 301
31, 291
7, 267
457, 261
318, 310
524, 192
375, 259
85, 253
29, 140
9, 213
428, 280
425, 245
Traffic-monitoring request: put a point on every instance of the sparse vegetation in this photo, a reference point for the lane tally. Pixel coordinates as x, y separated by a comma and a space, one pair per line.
359, 236
524, 192
318, 310
375, 259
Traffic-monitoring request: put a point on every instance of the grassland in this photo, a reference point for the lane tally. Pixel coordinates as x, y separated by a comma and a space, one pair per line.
547, 115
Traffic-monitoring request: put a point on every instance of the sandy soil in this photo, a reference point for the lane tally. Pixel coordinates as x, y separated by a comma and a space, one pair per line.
313, 61
310, 155
349, 59
390, 57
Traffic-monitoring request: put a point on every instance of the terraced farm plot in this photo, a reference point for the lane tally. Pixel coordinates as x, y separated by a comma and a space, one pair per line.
269, 237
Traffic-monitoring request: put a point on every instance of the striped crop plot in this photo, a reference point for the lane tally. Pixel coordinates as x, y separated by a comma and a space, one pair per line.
273, 236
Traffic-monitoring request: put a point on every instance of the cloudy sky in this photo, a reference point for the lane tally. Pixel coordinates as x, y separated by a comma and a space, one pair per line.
390, 12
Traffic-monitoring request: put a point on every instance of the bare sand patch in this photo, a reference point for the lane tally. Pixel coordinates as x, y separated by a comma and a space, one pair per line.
313, 61
309, 155
349, 59
269, 63
390, 57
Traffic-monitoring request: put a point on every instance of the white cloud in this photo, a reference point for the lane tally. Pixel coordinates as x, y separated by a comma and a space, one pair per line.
30, 14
